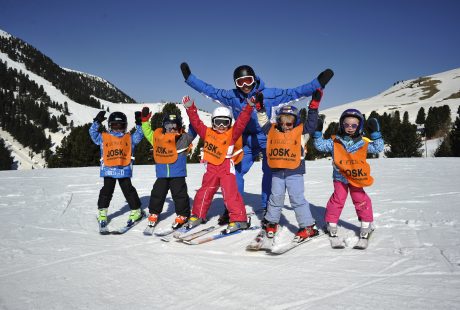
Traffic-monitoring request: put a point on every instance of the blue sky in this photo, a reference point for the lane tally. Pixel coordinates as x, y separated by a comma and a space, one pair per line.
139, 46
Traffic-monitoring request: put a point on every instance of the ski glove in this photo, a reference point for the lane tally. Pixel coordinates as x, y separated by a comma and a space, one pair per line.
138, 117
185, 70
100, 117
374, 128
145, 114
320, 124
319, 127
257, 101
324, 77
315, 99
187, 102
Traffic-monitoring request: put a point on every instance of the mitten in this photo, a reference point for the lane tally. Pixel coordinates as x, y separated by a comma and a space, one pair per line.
185, 70
145, 115
325, 76
315, 99
319, 126
374, 128
100, 117
138, 117
187, 102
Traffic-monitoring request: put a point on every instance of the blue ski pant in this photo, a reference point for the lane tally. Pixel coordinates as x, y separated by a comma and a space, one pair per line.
293, 183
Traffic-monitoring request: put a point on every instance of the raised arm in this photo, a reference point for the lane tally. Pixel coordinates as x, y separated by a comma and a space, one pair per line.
93, 130
195, 121
223, 96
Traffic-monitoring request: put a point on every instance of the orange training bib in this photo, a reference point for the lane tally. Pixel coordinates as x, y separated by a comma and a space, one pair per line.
116, 151
284, 149
164, 145
216, 146
353, 166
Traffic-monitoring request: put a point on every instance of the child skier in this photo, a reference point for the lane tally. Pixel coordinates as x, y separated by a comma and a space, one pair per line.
351, 172
286, 142
171, 144
219, 148
117, 150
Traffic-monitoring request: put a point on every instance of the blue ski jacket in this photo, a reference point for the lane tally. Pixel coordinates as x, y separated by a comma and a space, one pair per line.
119, 171
236, 100
351, 145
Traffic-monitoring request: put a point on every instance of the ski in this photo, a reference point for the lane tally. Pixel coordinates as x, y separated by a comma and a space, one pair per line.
220, 235
363, 242
128, 226
204, 231
164, 232
285, 247
167, 235
148, 231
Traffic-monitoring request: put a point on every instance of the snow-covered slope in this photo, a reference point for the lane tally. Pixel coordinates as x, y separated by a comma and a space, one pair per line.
52, 256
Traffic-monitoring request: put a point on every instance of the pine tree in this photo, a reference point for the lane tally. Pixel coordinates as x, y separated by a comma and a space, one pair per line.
450, 146
420, 116
405, 141
6, 161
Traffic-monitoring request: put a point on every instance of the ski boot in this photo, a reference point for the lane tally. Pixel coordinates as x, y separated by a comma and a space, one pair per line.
332, 229
234, 226
135, 216
102, 217
194, 221
306, 232
366, 230
179, 221
152, 219
271, 229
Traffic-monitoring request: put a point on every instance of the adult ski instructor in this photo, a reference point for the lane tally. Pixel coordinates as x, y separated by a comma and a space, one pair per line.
248, 84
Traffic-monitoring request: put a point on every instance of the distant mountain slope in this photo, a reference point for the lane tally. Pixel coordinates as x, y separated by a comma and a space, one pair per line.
430, 91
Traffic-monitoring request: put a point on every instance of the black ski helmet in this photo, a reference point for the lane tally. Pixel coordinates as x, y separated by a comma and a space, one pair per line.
352, 113
175, 118
118, 120
244, 70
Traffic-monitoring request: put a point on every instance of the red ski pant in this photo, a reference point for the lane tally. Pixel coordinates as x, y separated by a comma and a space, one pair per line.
361, 200
215, 177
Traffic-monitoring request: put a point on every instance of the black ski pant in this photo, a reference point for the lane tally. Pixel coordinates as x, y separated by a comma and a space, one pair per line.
130, 193
179, 194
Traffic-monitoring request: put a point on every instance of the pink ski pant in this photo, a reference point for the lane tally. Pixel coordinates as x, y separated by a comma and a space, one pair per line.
361, 200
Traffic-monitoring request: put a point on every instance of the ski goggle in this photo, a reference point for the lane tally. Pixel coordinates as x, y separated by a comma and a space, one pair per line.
353, 126
170, 126
287, 124
118, 126
221, 122
247, 80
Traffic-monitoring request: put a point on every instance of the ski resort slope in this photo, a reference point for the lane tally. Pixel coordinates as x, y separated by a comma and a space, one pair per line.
52, 256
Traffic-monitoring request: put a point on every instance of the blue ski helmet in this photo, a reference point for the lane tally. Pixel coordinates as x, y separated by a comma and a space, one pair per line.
288, 110
352, 113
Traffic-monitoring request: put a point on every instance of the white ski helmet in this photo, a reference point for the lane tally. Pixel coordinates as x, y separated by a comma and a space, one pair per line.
222, 113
